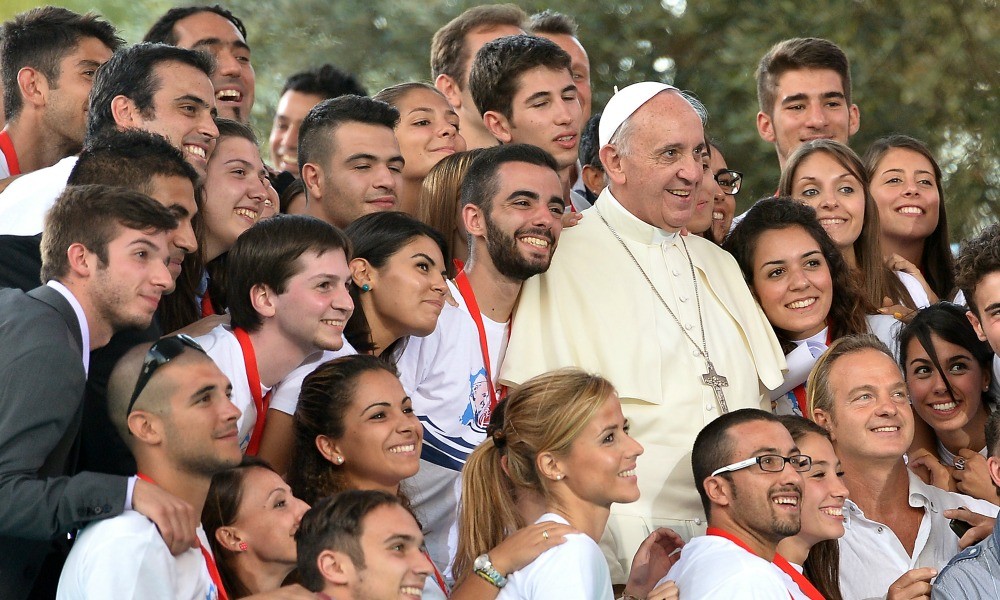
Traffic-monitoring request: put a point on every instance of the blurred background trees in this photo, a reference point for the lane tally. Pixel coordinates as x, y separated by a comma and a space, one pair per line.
928, 69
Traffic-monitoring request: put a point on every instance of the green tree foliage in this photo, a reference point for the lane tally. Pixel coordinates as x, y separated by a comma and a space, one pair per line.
928, 69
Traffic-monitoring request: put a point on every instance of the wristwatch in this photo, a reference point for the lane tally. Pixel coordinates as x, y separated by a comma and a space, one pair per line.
484, 568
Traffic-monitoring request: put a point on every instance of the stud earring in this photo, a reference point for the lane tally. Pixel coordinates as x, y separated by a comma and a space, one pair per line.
243, 547
340, 460
559, 477
366, 288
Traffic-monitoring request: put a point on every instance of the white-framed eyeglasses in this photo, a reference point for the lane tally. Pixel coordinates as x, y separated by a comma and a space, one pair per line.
770, 463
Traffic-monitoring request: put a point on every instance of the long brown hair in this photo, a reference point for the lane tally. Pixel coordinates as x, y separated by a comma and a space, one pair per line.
439, 201
546, 414
879, 281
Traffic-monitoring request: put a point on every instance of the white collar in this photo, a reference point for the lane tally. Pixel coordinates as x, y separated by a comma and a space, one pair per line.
629, 225
81, 318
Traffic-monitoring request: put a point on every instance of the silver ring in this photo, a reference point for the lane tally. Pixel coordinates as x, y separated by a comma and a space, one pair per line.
959, 464
545, 535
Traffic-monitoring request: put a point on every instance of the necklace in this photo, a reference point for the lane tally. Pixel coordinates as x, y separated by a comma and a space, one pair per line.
711, 378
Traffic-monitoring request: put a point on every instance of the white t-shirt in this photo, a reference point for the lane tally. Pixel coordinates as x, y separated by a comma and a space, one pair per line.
223, 347
125, 557
573, 570
866, 542
445, 376
912, 285
285, 394
714, 567
25, 201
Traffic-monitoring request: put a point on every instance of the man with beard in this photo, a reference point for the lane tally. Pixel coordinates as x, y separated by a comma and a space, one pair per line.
747, 471
511, 206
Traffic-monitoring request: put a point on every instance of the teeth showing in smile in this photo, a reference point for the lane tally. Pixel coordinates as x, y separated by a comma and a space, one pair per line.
681, 193
628, 473
791, 501
401, 449
885, 429
801, 303
945, 405
228, 95
832, 511
718, 216
539, 242
831, 221
246, 212
411, 591
566, 138
196, 150
910, 210
333, 322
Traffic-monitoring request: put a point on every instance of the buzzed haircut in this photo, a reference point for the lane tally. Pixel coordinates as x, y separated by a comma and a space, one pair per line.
317, 129
713, 447
796, 54
553, 23
336, 523
978, 257
92, 215
482, 180
162, 31
326, 81
590, 145
268, 254
41, 37
993, 435
131, 73
449, 52
498, 67
131, 159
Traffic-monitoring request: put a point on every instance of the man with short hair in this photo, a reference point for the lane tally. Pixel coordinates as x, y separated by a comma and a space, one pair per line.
362, 545
49, 56
667, 318
892, 518
170, 403
452, 51
152, 87
975, 572
217, 31
288, 298
804, 92
592, 171
104, 256
523, 87
563, 30
977, 274
349, 159
511, 207
301, 92
747, 471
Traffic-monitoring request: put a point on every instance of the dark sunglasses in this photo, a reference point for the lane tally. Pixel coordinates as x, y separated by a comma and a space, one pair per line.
160, 353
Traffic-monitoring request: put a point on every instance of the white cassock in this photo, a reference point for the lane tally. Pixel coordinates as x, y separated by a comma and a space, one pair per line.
593, 309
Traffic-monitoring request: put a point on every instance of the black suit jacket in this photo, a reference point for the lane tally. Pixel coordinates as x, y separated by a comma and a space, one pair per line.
41, 391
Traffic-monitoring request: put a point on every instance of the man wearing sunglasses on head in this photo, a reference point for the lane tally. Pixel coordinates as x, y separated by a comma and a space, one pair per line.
170, 403
748, 473
104, 258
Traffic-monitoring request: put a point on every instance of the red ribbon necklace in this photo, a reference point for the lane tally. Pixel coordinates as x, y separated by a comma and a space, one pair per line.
260, 402
465, 289
7, 147
213, 569
779, 561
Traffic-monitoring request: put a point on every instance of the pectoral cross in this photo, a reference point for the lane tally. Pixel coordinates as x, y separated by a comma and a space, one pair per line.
716, 382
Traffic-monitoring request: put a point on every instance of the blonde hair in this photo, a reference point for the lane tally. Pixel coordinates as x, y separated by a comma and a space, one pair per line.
546, 414
818, 392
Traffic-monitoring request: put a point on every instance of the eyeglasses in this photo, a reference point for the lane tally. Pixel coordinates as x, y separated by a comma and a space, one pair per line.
770, 463
159, 354
730, 181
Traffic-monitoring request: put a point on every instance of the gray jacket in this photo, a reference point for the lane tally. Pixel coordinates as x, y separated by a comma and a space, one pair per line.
973, 572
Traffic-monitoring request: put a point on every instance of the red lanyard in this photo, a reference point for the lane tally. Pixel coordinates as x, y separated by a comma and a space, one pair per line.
260, 402
779, 561
7, 147
800, 390
437, 575
213, 569
465, 288
206, 306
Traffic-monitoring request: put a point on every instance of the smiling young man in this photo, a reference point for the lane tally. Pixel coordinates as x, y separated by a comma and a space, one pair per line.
49, 56
804, 92
217, 31
892, 518
156, 88
747, 471
977, 271
288, 298
104, 260
171, 404
362, 545
524, 88
349, 159
511, 207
